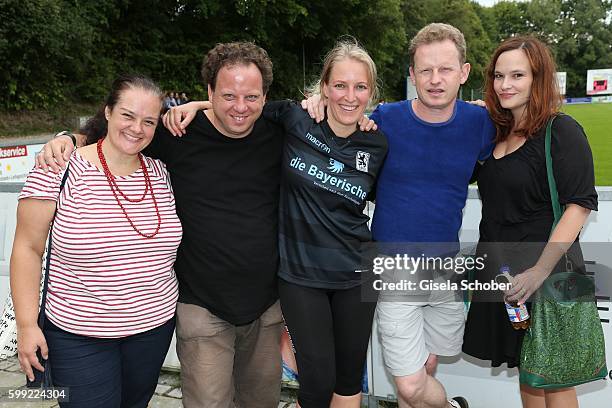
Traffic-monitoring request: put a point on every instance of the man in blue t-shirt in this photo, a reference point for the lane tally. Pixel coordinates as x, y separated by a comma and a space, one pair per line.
435, 142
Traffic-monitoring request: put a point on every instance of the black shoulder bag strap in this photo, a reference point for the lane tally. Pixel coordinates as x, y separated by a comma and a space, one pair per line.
41, 314
44, 379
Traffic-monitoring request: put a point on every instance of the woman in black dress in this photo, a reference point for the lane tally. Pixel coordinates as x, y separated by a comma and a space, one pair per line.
522, 95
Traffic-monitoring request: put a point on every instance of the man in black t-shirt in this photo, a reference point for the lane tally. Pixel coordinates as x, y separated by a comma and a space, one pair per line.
225, 174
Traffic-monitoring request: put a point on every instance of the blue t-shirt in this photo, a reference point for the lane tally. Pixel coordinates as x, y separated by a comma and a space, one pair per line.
423, 184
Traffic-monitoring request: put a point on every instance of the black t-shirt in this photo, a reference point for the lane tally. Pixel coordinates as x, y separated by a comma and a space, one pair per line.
514, 189
227, 200
324, 239
517, 215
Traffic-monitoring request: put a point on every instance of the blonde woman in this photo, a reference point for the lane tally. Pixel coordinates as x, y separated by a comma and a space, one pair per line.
329, 172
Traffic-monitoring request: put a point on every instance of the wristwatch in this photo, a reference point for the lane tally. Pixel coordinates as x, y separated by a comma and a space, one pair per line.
69, 134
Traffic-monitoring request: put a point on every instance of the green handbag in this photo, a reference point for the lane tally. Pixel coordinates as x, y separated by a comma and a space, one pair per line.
564, 346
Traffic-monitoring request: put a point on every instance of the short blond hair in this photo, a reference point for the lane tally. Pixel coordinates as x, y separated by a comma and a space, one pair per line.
348, 48
437, 32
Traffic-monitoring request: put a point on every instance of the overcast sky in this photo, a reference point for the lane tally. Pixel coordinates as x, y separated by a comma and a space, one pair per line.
486, 2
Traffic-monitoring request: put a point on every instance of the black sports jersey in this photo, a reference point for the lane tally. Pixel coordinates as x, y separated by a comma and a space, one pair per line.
226, 193
324, 239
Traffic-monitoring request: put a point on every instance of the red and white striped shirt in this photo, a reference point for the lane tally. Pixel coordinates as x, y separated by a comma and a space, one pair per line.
105, 279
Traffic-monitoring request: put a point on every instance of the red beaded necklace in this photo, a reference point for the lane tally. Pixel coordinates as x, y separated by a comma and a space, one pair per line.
114, 188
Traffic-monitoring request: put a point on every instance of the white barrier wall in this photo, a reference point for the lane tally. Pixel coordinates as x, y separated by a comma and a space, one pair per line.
8, 209
483, 386
15, 164
487, 387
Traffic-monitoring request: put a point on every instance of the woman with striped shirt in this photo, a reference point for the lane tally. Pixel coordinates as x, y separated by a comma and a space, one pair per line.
112, 288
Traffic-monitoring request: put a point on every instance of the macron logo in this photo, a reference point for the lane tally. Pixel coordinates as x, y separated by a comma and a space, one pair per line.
318, 143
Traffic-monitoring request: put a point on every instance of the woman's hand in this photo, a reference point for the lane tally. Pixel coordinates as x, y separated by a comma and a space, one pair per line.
525, 284
29, 340
178, 117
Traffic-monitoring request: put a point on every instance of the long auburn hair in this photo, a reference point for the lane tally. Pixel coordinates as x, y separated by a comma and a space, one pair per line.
545, 99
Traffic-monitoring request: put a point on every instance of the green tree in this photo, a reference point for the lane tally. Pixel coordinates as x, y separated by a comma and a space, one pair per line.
376, 24
380, 29
170, 45
56, 50
461, 14
579, 32
542, 19
505, 19
42, 47
585, 40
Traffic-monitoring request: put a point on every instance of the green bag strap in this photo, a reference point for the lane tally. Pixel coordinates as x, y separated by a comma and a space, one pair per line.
552, 185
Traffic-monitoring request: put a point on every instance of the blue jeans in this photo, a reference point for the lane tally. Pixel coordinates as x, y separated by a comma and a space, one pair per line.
107, 373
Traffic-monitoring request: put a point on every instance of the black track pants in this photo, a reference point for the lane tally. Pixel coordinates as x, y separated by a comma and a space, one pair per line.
330, 330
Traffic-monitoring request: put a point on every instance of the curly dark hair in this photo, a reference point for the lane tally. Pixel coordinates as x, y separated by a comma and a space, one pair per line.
236, 53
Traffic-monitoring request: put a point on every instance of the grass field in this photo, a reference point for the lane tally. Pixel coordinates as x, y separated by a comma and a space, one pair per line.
596, 119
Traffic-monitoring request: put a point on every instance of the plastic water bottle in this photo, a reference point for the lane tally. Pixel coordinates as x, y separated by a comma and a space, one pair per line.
518, 315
